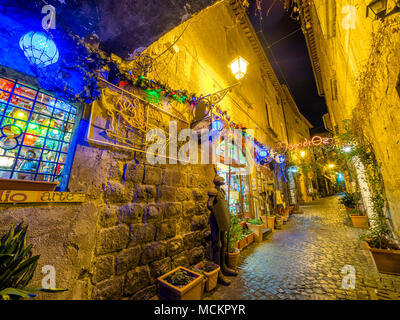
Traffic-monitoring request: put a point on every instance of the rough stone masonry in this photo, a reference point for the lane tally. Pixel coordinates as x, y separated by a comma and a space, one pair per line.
138, 222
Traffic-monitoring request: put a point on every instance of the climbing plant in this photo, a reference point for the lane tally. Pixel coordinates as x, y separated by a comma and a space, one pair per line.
379, 234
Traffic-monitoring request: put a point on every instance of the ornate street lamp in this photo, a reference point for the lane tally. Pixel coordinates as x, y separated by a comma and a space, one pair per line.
239, 67
377, 9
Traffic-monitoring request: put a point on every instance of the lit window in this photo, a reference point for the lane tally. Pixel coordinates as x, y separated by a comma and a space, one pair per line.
36, 132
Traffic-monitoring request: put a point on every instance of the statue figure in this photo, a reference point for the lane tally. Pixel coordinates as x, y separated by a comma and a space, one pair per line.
220, 222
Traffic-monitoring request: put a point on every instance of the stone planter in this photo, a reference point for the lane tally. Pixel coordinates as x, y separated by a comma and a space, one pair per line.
212, 276
386, 261
359, 221
233, 259
191, 291
257, 230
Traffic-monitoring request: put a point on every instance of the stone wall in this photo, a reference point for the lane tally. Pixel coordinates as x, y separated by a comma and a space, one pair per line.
139, 221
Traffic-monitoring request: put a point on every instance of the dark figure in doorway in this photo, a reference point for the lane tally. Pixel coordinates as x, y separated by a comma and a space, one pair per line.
220, 222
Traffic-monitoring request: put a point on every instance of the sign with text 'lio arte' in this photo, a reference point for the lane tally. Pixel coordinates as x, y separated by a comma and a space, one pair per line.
18, 196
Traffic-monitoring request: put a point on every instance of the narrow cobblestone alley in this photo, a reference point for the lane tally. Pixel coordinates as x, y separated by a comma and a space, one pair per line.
304, 260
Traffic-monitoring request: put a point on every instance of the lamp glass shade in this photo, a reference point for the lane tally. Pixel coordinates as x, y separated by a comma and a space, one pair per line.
39, 48
239, 67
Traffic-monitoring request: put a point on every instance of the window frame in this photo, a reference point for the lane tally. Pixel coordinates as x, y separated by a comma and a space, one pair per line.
19, 79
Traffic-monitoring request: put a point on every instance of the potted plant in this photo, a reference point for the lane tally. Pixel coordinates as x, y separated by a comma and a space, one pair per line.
349, 201
383, 248
285, 216
256, 226
210, 271
242, 242
358, 219
235, 231
249, 236
17, 266
180, 284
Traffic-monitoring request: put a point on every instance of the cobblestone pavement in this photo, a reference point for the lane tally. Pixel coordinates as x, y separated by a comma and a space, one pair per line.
304, 261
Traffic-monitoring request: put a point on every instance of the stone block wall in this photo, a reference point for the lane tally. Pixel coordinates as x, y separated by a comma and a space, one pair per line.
154, 219
138, 222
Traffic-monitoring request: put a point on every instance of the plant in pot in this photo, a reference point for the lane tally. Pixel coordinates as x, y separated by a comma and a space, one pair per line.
249, 236
17, 266
358, 218
210, 271
181, 284
256, 226
349, 201
242, 242
383, 248
235, 231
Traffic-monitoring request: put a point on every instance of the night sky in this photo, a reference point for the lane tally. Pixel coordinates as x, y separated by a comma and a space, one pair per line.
292, 63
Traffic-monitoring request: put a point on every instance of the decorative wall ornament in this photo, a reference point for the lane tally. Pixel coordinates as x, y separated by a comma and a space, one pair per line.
121, 119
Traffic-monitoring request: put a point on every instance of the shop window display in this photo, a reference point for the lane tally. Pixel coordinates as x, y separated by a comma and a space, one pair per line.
238, 186
36, 131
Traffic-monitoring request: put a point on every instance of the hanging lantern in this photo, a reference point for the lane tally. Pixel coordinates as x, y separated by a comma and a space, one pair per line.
217, 125
239, 67
280, 159
39, 48
263, 154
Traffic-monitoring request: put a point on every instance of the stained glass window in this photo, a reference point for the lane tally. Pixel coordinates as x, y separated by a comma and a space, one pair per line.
36, 130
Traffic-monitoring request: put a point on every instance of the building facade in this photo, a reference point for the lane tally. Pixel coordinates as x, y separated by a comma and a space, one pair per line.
109, 221
354, 49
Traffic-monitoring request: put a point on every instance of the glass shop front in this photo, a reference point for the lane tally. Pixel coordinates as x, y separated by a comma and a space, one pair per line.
237, 182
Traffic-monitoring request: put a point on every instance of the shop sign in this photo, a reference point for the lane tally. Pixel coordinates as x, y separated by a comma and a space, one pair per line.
314, 142
18, 196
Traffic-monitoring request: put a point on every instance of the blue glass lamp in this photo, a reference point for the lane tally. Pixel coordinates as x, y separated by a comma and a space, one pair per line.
217, 125
39, 48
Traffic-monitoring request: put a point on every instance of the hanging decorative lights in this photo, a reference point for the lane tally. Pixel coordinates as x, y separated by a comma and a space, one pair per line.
39, 48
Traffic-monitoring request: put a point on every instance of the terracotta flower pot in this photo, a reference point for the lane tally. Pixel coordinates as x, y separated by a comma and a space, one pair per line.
191, 291
242, 243
386, 261
233, 259
257, 230
359, 221
250, 238
212, 276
